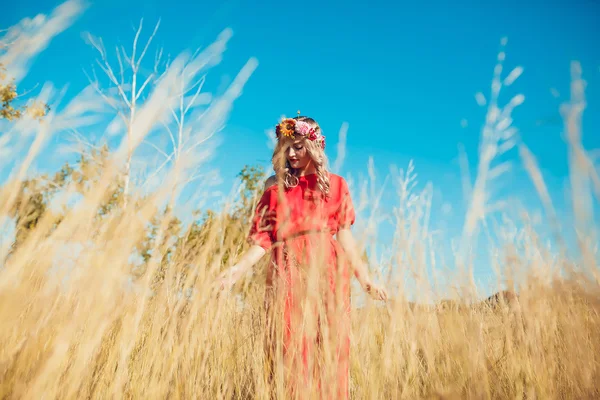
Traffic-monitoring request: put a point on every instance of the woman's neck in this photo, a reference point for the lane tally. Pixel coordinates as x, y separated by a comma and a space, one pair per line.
309, 170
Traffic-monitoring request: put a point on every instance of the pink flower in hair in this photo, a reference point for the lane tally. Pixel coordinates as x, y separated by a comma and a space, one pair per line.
303, 128
312, 134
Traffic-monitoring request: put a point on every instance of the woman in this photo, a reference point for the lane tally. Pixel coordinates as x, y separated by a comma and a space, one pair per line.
308, 281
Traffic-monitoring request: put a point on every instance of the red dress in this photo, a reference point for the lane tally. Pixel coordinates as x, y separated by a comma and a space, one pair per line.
308, 284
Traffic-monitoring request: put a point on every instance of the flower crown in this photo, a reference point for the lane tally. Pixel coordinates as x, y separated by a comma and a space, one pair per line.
291, 127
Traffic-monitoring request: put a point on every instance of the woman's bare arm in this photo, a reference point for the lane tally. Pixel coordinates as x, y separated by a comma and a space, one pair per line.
346, 240
249, 259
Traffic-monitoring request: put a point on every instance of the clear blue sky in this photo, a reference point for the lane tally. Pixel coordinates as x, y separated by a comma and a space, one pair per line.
402, 74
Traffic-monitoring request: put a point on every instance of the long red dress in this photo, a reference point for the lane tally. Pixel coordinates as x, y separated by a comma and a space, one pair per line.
307, 297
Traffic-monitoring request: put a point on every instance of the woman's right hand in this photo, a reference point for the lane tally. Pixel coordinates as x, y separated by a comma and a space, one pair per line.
228, 278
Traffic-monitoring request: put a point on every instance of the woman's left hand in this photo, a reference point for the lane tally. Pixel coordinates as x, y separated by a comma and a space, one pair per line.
361, 271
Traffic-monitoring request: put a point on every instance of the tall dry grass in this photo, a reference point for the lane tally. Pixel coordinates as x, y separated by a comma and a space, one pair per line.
82, 327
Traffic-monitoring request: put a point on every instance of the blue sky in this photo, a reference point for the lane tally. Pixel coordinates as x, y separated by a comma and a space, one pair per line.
402, 74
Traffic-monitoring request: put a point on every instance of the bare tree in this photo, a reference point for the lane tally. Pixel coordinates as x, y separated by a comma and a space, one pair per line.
181, 127
196, 116
128, 92
189, 126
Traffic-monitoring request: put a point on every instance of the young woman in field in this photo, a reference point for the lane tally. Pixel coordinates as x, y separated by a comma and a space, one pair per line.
308, 281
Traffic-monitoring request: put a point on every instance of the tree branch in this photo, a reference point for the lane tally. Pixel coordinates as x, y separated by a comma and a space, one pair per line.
156, 148
143, 86
135, 40
148, 43
200, 85
171, 136
121, 69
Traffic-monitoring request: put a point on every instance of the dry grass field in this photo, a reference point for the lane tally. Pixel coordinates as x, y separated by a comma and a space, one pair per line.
81, 319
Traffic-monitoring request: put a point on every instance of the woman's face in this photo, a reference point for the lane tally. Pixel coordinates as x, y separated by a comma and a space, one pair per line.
297, 155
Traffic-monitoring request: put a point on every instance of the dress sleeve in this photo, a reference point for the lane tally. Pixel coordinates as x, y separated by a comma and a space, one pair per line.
346, 215
261, 229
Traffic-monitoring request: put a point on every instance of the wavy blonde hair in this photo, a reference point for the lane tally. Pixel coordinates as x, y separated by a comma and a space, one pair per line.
287, 176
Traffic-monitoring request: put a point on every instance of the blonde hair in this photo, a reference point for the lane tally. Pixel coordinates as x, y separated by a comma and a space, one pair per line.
287, 176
